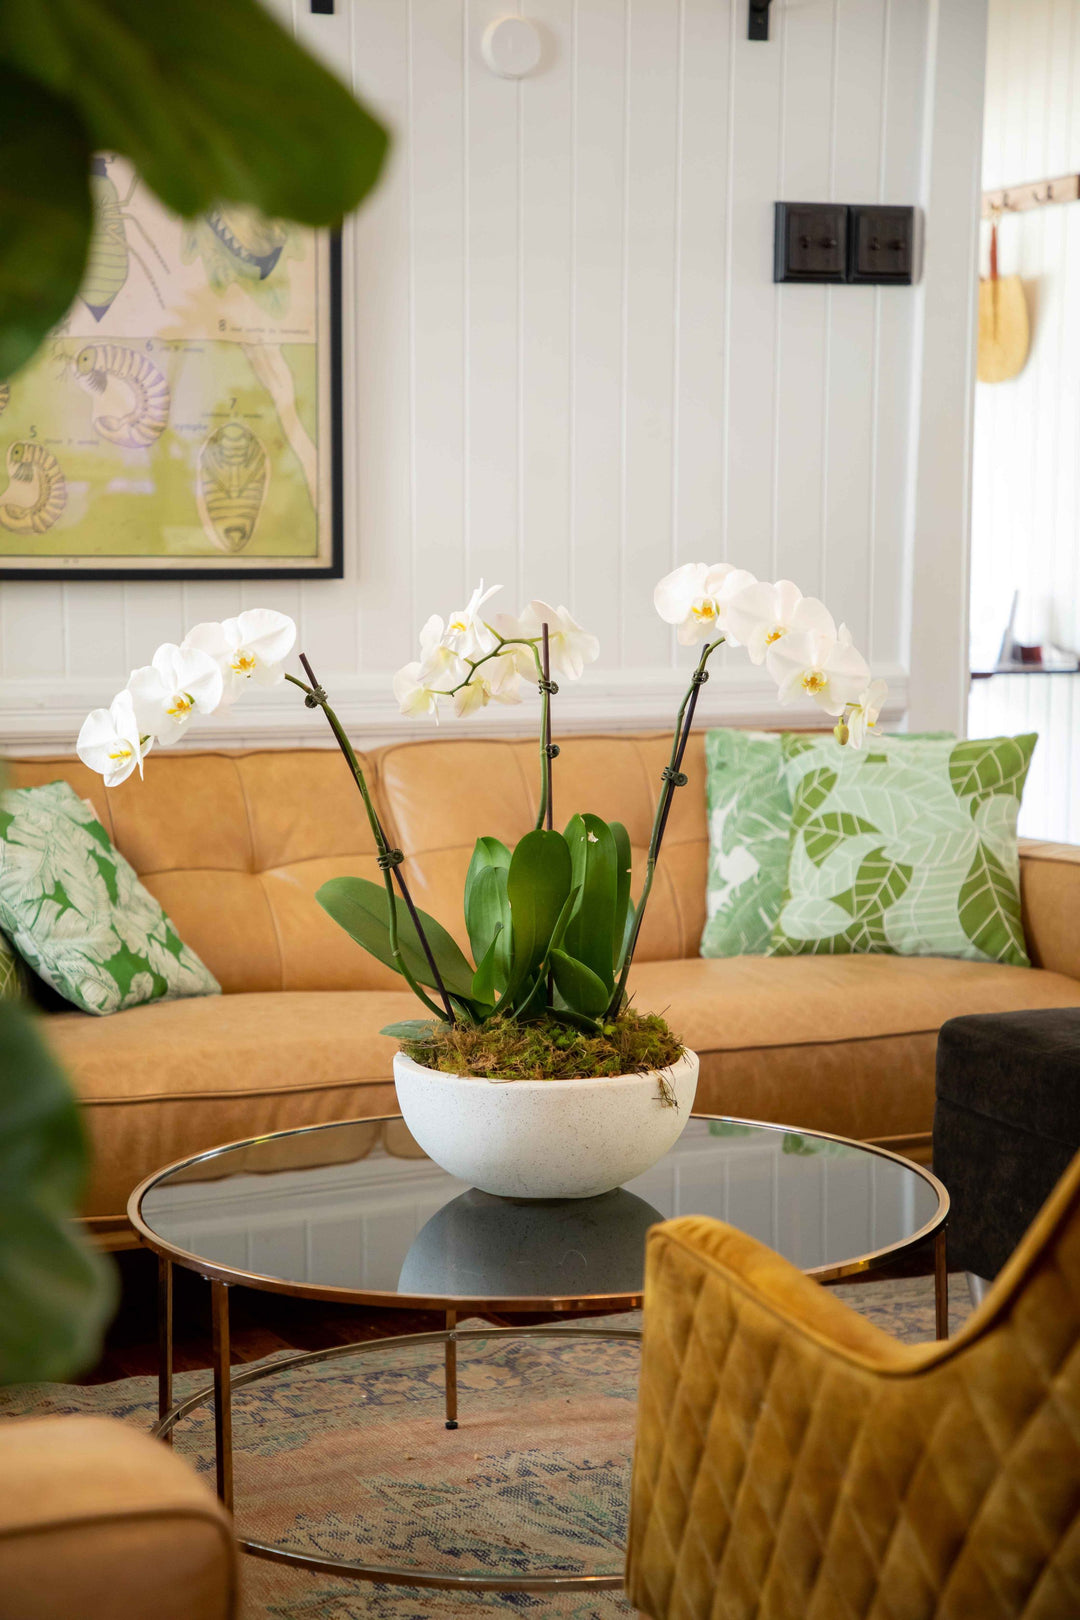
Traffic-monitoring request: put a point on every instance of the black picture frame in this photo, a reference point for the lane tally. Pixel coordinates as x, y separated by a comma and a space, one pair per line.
332, 568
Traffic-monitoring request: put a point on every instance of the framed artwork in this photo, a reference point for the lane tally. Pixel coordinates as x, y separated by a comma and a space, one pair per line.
184, 419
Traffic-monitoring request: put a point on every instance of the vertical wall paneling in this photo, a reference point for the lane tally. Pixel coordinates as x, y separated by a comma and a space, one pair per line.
895, 356
651, 249
567, 367
545, 215
807, 54
1026, 495
940, 442
597, 360
493, 359
751, 325
853, 316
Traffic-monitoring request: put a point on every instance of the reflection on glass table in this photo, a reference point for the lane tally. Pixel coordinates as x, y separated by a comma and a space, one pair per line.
358, 1208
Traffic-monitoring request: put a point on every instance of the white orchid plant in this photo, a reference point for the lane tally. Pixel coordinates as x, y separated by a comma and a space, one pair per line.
552, 925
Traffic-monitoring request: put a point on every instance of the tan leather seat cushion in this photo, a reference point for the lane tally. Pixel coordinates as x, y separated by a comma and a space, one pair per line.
842, 1044
835, 1043
99, 1522
179, 1077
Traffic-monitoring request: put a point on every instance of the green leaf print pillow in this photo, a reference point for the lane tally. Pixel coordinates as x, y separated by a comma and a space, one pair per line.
749, 809
908, 848
748, 795
76, 912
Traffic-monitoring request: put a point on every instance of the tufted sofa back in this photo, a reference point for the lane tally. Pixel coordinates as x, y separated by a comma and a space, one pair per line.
235, 844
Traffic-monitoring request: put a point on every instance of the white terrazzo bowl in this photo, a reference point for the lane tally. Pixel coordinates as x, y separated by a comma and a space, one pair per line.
545, 1138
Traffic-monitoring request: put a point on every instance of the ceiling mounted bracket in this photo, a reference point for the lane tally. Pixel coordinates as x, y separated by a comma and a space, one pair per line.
759, 19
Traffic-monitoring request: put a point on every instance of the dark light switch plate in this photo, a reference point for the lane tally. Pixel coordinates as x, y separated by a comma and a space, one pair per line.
881, 244
810, 243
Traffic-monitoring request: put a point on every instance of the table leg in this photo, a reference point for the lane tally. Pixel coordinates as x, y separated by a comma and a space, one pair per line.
222, 1393
941, 1285
165, 1339
451, 1373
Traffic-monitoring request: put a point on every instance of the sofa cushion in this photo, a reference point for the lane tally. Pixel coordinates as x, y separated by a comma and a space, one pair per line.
234, 847
852, 1052
440, 795
159, 1083
843, 1044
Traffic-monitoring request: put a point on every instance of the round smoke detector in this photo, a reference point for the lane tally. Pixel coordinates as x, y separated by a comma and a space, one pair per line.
511, 47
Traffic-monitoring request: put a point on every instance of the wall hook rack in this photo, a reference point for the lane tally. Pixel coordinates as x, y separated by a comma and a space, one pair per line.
1065, 188
759, 19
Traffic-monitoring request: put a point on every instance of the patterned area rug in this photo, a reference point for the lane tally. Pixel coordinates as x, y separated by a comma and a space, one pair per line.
350, 1457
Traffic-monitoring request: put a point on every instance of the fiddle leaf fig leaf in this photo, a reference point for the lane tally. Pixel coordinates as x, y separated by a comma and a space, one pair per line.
45, 214
211, 102
56, 1293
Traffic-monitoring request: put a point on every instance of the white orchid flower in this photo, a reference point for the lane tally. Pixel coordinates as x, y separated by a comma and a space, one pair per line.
465, 632
470, 698
862, 717
414, 695
828, 669
418, 689
502, 676
251, 647
495, 681
570, 647
697, 597
760, 614
178, 683
110, 741
439, 663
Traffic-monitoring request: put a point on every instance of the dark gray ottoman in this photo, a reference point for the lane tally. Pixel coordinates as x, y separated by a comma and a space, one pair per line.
1006, 1124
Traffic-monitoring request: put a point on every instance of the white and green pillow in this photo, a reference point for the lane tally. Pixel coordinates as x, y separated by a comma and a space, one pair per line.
908, 847
749, 808
76, 912
748, 795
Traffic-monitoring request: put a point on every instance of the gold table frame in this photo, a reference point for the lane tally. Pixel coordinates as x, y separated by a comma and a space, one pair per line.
225, 1380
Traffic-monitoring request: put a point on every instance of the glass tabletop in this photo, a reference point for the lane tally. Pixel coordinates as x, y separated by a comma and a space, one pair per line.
357, 1210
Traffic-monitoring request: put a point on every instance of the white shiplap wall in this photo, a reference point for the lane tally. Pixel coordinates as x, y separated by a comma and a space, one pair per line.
1026, 493
567, 366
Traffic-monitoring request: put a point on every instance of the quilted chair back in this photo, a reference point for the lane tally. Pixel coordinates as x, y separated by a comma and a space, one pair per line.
796, 1463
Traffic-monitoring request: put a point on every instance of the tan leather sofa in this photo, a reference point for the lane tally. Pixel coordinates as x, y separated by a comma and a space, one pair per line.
99, 1522
235, 845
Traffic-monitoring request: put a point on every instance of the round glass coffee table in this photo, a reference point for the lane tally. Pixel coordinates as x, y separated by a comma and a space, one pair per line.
357, 1213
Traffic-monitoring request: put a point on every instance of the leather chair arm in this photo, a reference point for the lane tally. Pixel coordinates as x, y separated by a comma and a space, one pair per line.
1050, 901
98, 1521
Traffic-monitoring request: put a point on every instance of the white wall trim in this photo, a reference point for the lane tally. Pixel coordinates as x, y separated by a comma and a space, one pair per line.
45, 718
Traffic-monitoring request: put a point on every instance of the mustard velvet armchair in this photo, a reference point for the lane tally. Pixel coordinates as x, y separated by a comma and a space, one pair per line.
794, 1462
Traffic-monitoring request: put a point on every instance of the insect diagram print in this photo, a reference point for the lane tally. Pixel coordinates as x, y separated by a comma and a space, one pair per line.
183, 417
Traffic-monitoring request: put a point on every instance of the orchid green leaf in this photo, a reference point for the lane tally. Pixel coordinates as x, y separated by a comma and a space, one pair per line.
538, 883
590, 933
362, 909
582, 990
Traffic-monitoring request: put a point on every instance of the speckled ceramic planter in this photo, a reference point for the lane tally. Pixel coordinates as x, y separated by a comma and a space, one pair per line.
545, 1138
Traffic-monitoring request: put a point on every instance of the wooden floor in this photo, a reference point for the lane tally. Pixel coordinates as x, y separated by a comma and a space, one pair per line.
262, 1323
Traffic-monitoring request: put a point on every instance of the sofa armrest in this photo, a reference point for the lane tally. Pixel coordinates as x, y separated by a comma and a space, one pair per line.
1050, 901
98, 1520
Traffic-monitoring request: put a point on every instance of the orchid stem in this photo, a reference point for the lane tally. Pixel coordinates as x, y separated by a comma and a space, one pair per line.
683, 723
315, 698
547, 752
